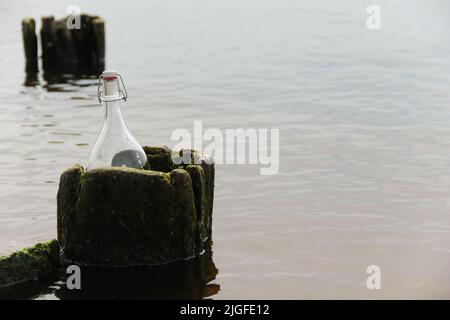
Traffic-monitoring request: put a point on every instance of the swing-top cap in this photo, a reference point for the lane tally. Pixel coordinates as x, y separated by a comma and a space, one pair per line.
109, 75
111, 87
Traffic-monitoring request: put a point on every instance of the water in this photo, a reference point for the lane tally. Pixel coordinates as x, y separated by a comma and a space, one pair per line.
364, 134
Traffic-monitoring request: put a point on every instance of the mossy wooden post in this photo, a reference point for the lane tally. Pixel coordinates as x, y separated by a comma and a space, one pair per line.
31, 50
123, 216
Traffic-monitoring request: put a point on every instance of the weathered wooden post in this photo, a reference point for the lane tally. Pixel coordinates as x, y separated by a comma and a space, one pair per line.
66, 55
128, 217
48, 44
124, 216
31, 50
98, 26
29, 263
79, 52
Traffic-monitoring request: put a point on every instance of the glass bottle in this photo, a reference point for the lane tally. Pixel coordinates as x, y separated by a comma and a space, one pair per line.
116, 146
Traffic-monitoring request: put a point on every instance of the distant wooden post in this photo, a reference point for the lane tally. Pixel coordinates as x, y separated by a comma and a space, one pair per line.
48, 44
30, 48
29, 38
98, 26
146, 217
66, 50
79, 52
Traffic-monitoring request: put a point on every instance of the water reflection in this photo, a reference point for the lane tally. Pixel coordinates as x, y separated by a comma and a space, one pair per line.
68, 82
57, 82
62, 81
181, 280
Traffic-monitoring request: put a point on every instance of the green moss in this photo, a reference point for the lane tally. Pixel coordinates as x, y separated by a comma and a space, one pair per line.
159, 159
30, 263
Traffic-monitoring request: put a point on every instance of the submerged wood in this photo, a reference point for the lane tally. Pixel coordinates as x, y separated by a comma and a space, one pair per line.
73, 51
29, 264
189, 279
127, 217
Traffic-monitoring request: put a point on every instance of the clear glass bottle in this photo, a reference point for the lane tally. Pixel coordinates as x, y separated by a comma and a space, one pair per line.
116, 146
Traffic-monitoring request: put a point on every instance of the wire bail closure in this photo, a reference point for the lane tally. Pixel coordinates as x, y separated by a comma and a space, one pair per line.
122, 93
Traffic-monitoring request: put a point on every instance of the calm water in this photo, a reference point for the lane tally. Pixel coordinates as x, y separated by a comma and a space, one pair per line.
364, 119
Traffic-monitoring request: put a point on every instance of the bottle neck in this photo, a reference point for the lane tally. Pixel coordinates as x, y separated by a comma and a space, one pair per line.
113, 116
113, 113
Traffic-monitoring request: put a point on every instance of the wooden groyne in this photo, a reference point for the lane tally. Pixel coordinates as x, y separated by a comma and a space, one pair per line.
125, 217
29, 264
30, 45
74, 51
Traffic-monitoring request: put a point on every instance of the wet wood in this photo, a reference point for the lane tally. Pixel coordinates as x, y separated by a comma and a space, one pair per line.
31, 50
79, 52
98, 26
48, 43
29, 264
29, 38
146, 217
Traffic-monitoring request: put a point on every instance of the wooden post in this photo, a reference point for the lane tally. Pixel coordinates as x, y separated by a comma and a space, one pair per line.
98, 25
146, 217
80, 52
30, 263
48, 46
65, 49
30, 48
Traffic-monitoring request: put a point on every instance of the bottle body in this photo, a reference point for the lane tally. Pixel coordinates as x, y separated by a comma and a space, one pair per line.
115, 146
